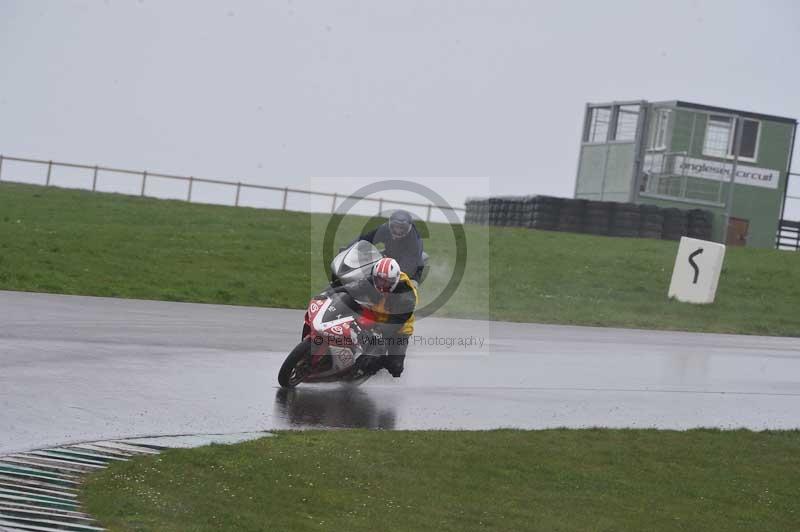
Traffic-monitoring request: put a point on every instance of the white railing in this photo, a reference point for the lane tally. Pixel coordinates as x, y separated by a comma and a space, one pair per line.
144, 177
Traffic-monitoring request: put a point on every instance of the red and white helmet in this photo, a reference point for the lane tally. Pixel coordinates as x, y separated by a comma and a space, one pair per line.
386, 274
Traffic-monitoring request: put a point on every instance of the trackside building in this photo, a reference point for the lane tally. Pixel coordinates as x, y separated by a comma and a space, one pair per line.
686, 155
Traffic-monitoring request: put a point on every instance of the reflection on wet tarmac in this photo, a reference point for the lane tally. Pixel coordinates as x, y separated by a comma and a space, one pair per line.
87, 369
329, 406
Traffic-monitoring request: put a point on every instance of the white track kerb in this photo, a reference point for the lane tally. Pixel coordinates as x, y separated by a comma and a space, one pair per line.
38, 489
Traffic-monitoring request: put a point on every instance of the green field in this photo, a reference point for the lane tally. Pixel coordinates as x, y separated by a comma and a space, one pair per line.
553, 480
77, 242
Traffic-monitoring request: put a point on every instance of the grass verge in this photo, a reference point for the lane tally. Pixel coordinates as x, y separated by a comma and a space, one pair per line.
553, 480
77, 242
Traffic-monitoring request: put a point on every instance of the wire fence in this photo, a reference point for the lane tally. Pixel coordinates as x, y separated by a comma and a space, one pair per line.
282, 199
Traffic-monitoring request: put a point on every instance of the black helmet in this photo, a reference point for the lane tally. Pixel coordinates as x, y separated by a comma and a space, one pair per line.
400, 223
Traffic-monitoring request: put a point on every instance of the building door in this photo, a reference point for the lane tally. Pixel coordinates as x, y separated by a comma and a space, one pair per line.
737, 231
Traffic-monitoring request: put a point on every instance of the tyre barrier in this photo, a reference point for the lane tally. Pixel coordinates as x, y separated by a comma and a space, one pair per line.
628, 220
571, 215
652, 221
597, 217
676, 224
699, 224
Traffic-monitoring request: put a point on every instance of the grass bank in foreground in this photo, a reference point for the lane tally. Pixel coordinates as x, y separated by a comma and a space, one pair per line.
75, 242
555, 480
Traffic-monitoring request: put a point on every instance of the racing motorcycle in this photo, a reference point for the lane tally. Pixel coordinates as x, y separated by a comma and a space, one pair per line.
331, 336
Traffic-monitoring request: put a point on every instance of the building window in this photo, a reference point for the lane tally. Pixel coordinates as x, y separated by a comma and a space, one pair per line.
718, 136
750, 131
721, 134
597, 125
659, 139
627, 121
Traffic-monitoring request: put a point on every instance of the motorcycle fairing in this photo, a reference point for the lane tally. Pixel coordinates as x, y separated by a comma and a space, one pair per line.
329, 325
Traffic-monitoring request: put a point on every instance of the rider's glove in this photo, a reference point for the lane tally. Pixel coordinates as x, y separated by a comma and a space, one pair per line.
365, 322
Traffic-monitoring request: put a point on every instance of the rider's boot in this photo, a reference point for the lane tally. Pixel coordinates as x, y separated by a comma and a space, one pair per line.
394, 364
396, 355
368, 365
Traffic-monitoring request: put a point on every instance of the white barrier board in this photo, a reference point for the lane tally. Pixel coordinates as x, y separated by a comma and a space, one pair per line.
696, 273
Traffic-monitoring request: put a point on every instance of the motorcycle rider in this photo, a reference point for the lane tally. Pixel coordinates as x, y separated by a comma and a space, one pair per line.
402, 242
388, 298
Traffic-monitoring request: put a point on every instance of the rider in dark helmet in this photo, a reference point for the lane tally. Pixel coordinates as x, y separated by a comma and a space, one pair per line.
402, 241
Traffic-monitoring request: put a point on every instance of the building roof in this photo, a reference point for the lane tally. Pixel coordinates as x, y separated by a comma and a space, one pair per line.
748, 114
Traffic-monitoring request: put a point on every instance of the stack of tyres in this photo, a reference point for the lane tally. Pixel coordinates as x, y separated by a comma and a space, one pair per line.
483, 210
528, 209
475, 211
545, 213
516, 215
652, 221
597, 219
508, 207
570, 216
503, 218
700, 222
496, 215
626, 219
594, 217
676, 224
508, 210
470, 213
499, 210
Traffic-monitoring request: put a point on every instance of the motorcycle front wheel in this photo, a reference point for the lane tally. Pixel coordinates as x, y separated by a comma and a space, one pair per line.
297, 365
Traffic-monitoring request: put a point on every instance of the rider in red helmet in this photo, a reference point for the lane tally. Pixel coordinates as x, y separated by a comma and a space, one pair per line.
388, 298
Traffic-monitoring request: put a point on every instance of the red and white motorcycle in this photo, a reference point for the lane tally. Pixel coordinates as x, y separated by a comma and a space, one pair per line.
330, 337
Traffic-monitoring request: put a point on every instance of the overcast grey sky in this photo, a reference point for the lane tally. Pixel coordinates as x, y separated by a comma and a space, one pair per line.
276, 92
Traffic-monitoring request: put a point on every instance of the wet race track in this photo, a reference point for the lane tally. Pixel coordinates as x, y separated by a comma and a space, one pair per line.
81, 369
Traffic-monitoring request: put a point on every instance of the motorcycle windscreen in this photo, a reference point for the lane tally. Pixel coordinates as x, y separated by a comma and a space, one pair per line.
360, 255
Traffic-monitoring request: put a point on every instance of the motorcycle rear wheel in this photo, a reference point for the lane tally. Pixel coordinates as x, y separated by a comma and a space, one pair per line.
297, 365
